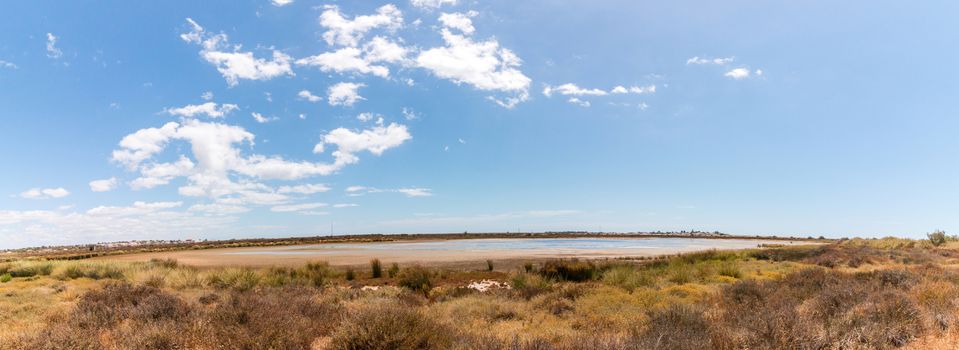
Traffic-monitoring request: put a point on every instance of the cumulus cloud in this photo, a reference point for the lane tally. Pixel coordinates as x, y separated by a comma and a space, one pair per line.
460, 21
232, 63
349, 32
368, 60
482, 64
45, 193
375, 140
737, 73
8, 64
52, 50
432, 4
715, 61
570, 89
309, 96
344, 94
103, 185
219, 169
210, 109
281, 3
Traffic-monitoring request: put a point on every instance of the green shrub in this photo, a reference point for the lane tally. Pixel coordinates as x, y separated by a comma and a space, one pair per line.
169, 263
528, 267
92, 271
394, 270
627, 277
317, 273
937, 237
350, 275
31, 269
236, 278
4, 278
569, 270
680, 273
730, 269
416, 278
529, 285
376, 268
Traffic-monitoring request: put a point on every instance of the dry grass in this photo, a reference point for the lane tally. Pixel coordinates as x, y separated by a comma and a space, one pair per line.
876, 294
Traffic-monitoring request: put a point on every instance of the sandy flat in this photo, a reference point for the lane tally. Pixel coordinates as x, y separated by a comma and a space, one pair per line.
429, 252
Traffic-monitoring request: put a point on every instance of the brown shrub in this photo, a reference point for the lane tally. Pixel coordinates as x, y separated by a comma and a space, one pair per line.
385, 326
679, 327
289, 318
416, 278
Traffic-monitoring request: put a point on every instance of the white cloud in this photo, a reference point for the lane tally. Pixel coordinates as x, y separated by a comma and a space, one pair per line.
459, 21
207, 96
482, 64
156, 174
347, 59
345, 205
261, 119
715, 61
355, 60
570, 89
220, 170
281, 3
381, 49
365, 116
640, 90
8, 64
356, 188
376, 140
209, 108
408, 191
415, 192
52, 50
461, 141
346, 32
303, 189
738, 73
235, 64
578, 102
45, 193
619, 90
344, 94
297, 207
103, 185
309, 96
432, 4
759, 72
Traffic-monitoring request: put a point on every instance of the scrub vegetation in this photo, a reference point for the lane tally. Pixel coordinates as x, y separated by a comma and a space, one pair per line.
852, 294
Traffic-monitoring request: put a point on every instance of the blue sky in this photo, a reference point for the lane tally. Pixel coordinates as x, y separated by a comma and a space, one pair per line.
135, 120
